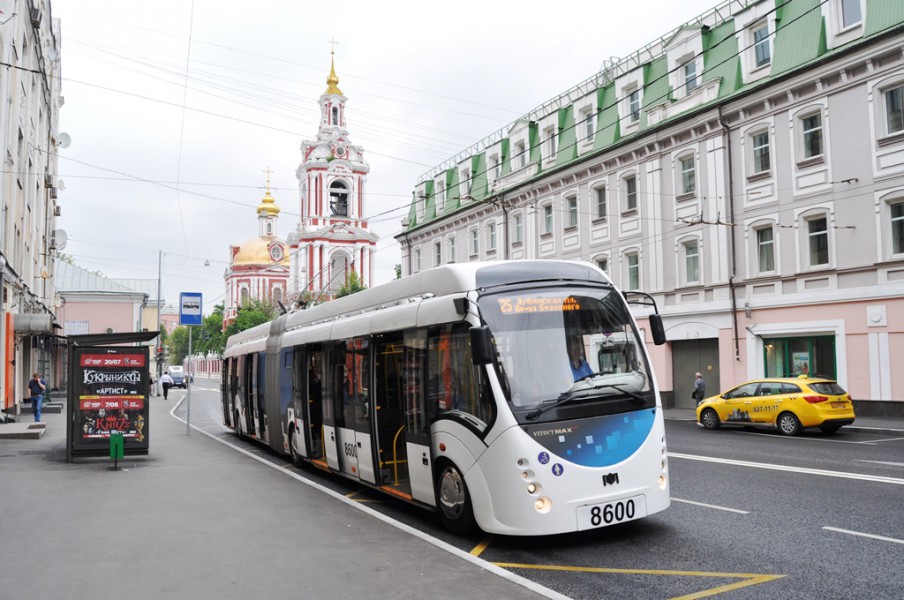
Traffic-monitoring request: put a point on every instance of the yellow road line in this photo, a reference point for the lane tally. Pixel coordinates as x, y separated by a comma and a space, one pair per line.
479, 548
748, 579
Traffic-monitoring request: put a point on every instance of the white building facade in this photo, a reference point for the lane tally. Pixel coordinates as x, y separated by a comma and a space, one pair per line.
747, 170
332, 239
29, 118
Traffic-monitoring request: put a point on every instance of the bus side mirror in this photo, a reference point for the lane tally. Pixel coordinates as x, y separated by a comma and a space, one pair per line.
481, 346
657, 329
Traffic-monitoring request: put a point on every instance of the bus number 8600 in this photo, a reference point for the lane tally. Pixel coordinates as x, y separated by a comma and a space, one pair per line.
612, 513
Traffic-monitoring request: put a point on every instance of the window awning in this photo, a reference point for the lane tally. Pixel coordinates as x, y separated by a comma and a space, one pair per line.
33, 323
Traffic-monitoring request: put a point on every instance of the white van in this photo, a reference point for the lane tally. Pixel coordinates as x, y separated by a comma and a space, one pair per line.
178, 375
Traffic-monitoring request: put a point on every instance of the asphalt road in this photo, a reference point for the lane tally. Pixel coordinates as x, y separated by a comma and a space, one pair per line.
753, 515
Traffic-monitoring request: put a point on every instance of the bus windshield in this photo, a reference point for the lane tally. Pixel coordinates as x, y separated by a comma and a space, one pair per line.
566, 345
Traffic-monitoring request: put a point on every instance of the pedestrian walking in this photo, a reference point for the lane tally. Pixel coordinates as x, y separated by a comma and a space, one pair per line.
699, 388
167, 382
36, 387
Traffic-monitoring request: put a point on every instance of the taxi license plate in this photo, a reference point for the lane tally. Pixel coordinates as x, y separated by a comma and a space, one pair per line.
610, 513
837, 404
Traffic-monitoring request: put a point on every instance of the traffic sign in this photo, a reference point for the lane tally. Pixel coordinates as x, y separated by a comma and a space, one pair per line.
189, 308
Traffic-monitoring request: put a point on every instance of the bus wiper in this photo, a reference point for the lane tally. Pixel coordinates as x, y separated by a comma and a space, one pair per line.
563, 398
568, 396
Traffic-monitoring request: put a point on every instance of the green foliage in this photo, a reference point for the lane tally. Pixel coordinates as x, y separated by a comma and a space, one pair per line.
352, 286
177, 346
210, 336
398, 271
249, 315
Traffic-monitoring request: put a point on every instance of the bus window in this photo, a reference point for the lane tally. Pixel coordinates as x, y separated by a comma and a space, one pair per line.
416, 424
454, 382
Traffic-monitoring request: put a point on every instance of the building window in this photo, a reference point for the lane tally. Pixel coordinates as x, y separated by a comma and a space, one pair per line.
437, 254
897, 228
811, 125
465, 188
245, 296
335, 115
690, 76
691, 262
791, 357
521, 151
547, 218
589, 129
851, 13
600, 193
761, 49
765, 244
491, 236
497, 166
451, 249
634, 106
550, 142
475, 242
818, 233
603, 264
630, 193
517, 229
441, 195
894, 109
633, 271
688, 175
417, 260
760, 143
572, 211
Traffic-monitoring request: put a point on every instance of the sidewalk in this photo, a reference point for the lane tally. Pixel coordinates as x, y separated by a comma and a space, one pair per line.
196, 519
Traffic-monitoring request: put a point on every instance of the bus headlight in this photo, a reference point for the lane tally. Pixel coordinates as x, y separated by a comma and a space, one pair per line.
662, 482
543, 505
533, 488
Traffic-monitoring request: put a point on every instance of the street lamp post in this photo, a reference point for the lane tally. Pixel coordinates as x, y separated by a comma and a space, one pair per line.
159, 344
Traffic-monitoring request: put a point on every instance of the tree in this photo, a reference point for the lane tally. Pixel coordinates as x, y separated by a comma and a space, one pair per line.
352, 286
249, 315
398, 271
211, 339
177, 346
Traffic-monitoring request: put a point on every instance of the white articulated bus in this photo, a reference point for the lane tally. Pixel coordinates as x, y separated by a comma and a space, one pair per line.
514, 395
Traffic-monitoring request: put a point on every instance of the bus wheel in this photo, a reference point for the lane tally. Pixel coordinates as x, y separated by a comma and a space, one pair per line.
293, 450
453, 500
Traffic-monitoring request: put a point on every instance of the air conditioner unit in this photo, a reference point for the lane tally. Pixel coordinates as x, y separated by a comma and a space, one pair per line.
48, 181
36, 17
53, 193
56, 211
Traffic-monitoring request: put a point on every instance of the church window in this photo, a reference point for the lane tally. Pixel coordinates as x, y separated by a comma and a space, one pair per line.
335, 115
339, 199
245, 296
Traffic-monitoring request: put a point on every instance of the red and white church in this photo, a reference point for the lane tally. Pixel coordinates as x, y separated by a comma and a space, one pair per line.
331, 240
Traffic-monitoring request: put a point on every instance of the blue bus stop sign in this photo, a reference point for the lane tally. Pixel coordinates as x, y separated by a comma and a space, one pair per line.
189, 309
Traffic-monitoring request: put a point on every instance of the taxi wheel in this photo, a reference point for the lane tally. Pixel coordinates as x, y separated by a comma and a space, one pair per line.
293, 450
709, 419
788, 424
453, 500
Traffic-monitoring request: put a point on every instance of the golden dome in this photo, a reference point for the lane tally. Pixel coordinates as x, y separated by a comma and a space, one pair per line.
261, 251
332, 81
268, 204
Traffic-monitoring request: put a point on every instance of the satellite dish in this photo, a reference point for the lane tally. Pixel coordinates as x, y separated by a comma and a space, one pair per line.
61, 185
61, 239
64, 140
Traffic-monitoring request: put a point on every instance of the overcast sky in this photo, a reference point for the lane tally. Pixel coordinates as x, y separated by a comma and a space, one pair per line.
176, 108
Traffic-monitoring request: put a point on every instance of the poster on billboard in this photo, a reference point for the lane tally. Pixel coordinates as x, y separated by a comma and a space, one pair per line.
110, 396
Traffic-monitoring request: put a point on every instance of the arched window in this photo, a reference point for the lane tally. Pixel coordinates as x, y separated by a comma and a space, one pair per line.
339, 199
335, 115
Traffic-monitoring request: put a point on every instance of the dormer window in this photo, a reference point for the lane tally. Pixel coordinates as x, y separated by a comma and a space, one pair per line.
761, 48
851, 13
634, 106
690, 76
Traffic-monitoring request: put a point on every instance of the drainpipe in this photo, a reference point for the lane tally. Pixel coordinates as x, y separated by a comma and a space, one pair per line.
731, 235
505, 227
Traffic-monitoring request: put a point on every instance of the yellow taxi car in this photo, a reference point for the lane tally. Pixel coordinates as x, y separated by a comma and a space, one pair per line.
787, 403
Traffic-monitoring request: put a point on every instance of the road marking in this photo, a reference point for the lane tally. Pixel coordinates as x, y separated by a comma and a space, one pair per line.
803, 470
866, 535
479, 548
894, 439
747, 579
715, 506
880, 462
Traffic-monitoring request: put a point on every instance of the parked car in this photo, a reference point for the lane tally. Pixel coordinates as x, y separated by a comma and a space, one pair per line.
178, 375
788, 404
